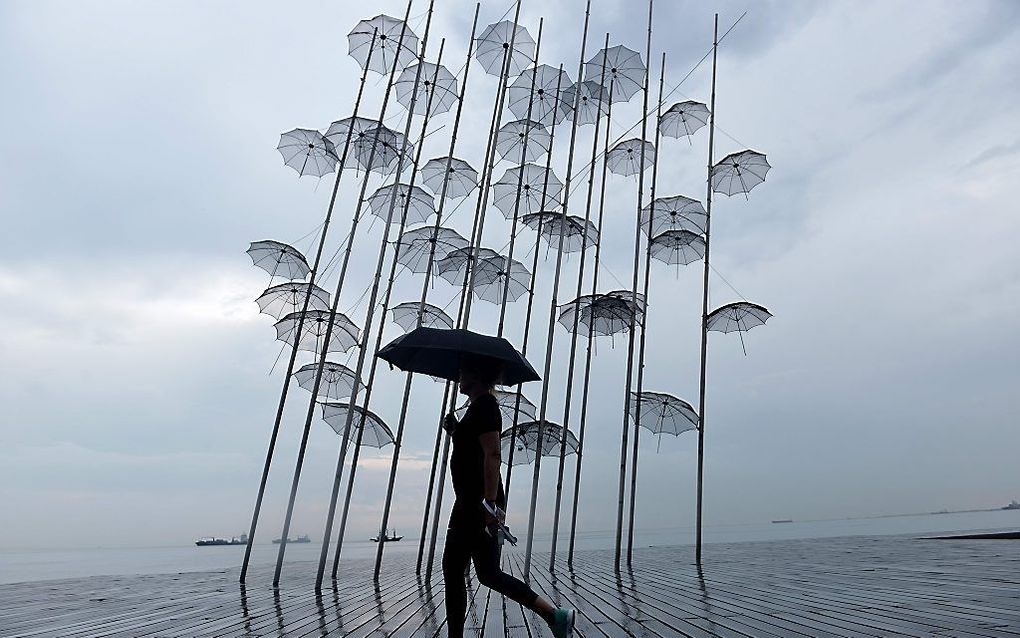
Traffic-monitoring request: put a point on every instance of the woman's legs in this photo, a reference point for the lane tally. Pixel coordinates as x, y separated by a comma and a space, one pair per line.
485, 553
456, 555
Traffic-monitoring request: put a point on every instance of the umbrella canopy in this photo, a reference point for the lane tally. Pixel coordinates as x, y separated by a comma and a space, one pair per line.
381, 149
577, 231
677, 247
626, 157
546, 102
361, 131
278, 259
605, 314
617, 67
510, 403
439, 353
453, 267
525, 136
538, 188
406, 316
415, 246
307, 152
674, 213
433, 80
342, 337
663, 413
388, 43
491, 276
500, 38
376, 432
283, 299
592, 101
526, 441
337, 382
683, 119
459, 176
417, 203
739, 316
739, 172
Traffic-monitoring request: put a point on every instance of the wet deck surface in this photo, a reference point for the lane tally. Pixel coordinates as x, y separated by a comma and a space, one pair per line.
890, 586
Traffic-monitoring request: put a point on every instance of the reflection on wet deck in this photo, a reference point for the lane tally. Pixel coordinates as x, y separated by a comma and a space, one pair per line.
832, 587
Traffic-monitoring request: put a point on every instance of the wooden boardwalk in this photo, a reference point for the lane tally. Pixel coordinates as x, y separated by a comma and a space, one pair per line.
848, 587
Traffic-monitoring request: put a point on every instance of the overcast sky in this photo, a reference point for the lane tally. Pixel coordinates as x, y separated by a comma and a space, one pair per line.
139, 160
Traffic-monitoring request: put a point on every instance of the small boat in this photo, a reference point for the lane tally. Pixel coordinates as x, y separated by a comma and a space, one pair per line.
784, 520
1014, 505
388, 538
234, 540
299, 539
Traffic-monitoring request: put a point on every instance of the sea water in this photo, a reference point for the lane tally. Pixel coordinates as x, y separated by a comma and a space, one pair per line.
19, 565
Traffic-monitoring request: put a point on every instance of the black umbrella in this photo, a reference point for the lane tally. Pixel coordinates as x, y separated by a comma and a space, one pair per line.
439, 353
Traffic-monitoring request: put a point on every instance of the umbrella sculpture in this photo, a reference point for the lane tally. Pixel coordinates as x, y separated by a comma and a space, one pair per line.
375, 432
577, 230
510, 403
500, 38
663, 413
592, 103
739, 172
605, 314
462, 179
412, 200
439, 353
308, 152
278, 259
407, 315
683, 119
739, 317
283, 299
337, 383
537, 188
623, 70
416, 246
544, 106
342, 338
626, 157
674, 213
677, 247
437, 88
362, 134
381, 151
394, 39
453, 268
495, 274
526, 136
526, 440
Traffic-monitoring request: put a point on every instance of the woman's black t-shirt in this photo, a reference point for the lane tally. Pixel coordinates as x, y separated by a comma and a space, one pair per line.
467, 464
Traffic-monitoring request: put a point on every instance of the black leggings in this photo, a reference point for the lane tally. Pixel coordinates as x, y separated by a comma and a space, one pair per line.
467, 543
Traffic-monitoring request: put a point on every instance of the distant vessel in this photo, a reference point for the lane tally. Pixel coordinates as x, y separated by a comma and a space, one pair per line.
234, 540
1013, 505
389, 537
784, 520
299, 539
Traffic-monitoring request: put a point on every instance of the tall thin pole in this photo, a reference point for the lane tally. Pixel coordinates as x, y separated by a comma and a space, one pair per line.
382, 316
370, 312
464, 314
704, 300
550, 335
591, 332
399, 437
301, 319
303, 446
644, 323
572, 358
633, 318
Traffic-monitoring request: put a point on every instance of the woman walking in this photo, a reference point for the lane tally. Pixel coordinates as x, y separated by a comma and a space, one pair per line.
473, 532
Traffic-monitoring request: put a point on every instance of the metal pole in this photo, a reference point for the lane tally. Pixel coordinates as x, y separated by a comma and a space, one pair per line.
382, 318
591, 334
332, 315
573, 332
633, 319
704, 301
301, 320
644, 323
464, 315
550, 335
370, 312
424, 297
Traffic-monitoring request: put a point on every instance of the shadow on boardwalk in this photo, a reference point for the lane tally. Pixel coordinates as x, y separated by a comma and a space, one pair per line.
888, 586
